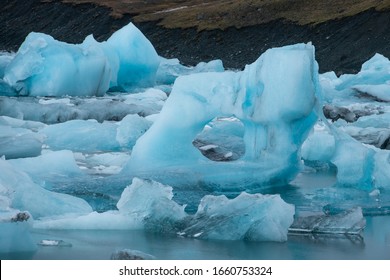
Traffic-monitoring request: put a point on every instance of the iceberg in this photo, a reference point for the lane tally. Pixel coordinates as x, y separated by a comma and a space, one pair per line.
274, 130
126, 59
19, 142
108, 108
149, 205
347, 222
91, 136
253, 217
170, 69
25, 195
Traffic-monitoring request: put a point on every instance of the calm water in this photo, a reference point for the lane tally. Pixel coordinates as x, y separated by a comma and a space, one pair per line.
373, 244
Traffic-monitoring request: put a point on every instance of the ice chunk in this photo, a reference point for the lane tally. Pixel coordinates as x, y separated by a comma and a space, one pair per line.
149, 205
19, 142
148, 102
34, 70
274, 130
102, 163
380, 92
25, 195
170, 69
91, 136
347, 222
130, 129
253, 217
143, 205
110, 108
54, 242
136, 57
126, 59
320, 145
151, 202
82, 136
5, 59
375, 71
127, 254
16, 237
50, 164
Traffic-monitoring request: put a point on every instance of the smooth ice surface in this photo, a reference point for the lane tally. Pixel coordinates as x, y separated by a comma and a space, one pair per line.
126, 59
25, 195
170, 69
19, 142
274, 130
16, 237
91, 136
50, 164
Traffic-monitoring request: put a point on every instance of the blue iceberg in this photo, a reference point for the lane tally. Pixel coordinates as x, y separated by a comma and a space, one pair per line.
274, 131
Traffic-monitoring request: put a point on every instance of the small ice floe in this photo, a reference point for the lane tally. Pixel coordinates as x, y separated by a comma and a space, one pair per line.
127, 254
54, 243
350, 222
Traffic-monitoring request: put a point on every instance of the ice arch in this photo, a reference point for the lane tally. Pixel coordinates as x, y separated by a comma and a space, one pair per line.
275, 99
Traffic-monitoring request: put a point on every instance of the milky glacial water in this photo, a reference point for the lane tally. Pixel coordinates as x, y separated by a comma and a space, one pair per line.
374, 243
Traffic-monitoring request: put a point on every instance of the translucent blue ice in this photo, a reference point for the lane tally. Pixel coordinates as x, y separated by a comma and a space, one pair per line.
44, 66
274, 130
149, 205
25, 195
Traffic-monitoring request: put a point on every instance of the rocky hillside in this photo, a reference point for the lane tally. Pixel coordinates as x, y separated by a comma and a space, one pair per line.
345, 32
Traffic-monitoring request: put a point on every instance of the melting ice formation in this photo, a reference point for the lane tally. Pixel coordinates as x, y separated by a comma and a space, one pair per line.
263, 125
274, 130
44, 66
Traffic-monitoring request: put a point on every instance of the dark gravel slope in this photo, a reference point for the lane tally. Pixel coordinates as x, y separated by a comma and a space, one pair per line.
342, 45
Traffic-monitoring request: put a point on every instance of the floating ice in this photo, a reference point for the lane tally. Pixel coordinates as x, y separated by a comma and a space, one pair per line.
25, 195
127, 254
126, 59
16, 237
148, 205
171, 69
19, 142
347, 222
274, 130
253, 217
49, 165
110, 108
358, 166
5, 59
91, 136
54, 243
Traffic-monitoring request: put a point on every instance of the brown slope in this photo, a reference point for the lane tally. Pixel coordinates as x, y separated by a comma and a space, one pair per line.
221, 14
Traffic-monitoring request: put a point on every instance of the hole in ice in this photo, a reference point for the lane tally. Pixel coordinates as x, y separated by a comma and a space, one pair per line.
221, 139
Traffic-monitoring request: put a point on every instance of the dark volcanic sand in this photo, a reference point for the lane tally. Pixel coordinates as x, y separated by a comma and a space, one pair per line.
341, 45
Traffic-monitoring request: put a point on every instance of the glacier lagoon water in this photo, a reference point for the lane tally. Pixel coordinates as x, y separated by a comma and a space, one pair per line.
373, 245
217, 165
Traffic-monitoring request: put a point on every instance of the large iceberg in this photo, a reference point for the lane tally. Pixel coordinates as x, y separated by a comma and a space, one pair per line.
274, 130
44, 66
